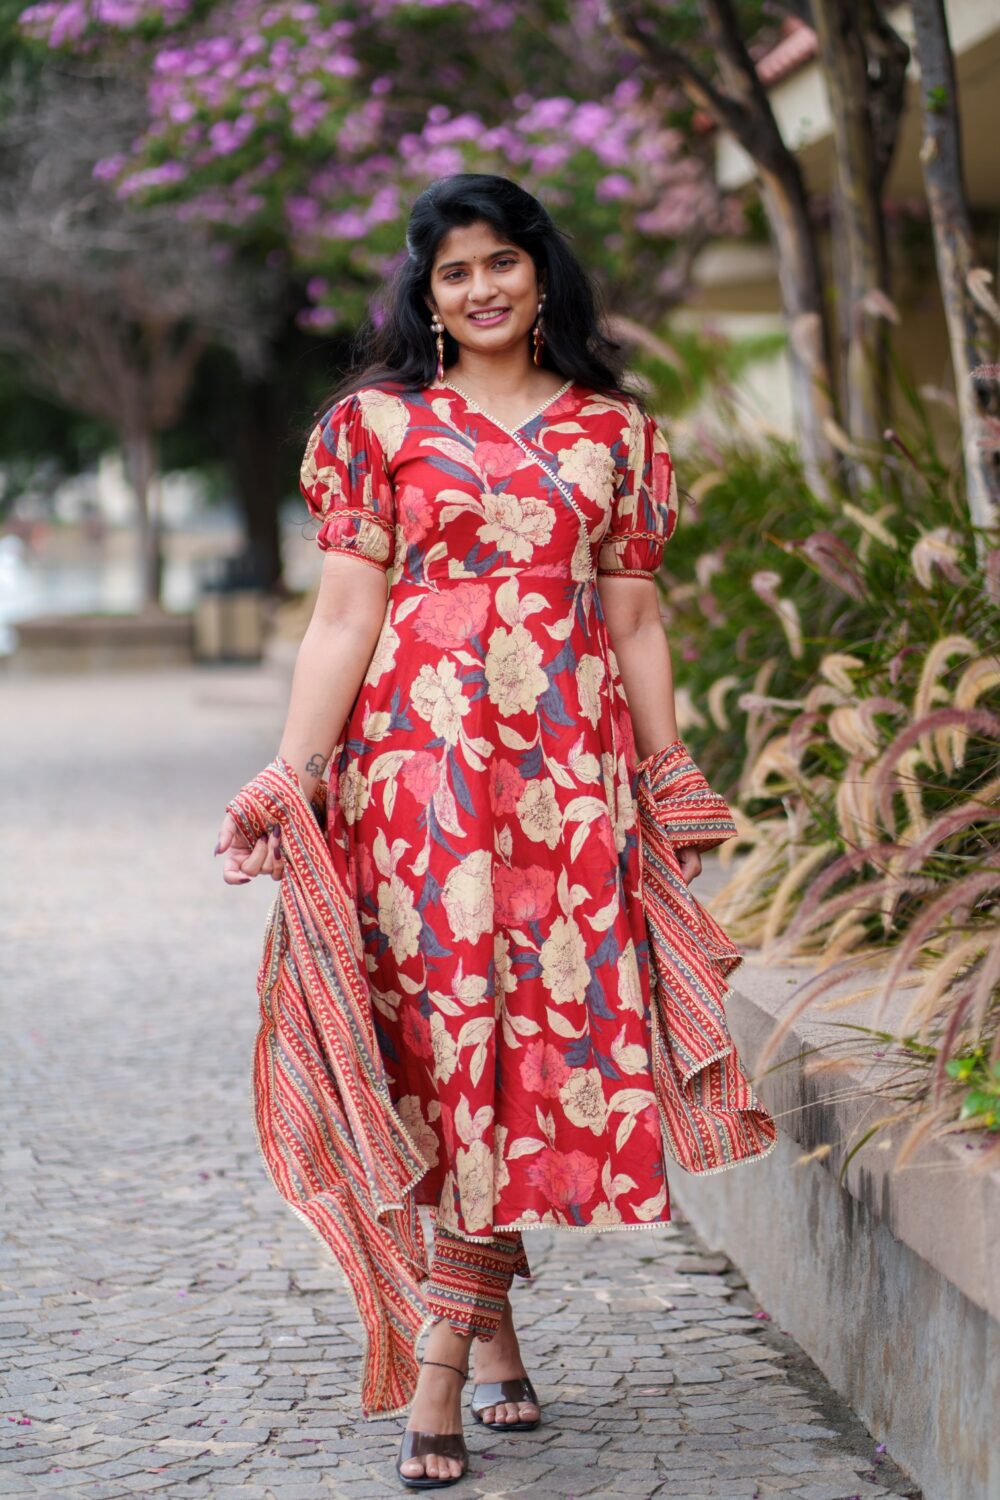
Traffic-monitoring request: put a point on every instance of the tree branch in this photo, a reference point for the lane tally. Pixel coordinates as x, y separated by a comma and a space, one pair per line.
675, 66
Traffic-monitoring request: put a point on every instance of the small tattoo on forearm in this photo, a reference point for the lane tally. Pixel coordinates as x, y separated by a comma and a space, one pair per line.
315, 764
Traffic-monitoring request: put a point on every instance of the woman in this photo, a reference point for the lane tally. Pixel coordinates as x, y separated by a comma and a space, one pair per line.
481, 726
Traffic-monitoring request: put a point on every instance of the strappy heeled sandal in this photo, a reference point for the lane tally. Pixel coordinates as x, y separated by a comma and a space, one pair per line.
498, 1392
421, 1444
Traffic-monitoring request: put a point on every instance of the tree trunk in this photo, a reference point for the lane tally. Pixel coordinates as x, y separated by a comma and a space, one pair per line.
970, 334
739, 104
862, 160
256, 457
802, 305
139, 446
786, 203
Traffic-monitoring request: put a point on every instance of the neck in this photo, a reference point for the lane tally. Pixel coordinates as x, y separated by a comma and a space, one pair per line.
508, 373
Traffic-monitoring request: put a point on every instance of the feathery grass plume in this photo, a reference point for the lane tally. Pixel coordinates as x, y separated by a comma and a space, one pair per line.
849, 660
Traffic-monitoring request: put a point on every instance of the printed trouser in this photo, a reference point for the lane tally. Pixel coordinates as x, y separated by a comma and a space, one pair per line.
470, 1279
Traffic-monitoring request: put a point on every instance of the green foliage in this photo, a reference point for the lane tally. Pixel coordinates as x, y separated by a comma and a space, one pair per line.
38, 436
981, 1105
838, 673
695, 363
747, 509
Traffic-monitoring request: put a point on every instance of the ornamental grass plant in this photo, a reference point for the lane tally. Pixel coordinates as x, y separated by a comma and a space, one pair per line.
838, 677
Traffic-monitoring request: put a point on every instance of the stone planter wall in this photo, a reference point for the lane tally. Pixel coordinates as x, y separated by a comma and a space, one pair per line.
891, 1283
97, 643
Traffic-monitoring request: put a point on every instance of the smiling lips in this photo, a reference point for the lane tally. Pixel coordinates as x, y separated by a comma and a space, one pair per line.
489, 318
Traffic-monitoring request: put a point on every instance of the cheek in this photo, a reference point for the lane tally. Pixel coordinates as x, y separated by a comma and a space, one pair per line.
529, 292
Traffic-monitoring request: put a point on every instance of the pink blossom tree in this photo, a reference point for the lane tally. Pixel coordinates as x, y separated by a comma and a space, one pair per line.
306, 128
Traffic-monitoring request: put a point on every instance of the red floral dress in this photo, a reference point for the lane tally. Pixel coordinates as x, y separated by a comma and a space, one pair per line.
482, 797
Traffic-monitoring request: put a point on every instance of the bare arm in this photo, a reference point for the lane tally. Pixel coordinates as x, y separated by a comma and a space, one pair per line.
632, 610
333, 658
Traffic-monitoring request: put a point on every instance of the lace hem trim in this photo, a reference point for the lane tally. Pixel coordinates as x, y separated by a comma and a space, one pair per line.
522, 1225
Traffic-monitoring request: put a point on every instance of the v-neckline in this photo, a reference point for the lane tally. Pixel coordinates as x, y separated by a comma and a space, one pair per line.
513, 432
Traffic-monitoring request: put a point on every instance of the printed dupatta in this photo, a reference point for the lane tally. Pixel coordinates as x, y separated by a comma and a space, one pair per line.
331, 1139
710, 1116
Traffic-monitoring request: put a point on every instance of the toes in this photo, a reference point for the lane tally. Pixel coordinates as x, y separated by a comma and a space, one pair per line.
520, 1411
439, 1467
434, 1466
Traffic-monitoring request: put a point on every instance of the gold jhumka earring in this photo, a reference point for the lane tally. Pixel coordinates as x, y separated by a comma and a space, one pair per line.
438, 327
538, 335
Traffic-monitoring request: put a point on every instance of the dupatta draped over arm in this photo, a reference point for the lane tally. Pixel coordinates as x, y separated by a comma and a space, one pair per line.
710, 1115
328, 1131
332, 1141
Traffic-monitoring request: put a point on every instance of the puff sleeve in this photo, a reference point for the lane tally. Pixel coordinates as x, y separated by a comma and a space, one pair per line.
644, 508
345, 479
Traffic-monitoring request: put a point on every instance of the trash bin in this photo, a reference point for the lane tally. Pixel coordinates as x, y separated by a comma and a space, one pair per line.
229, 615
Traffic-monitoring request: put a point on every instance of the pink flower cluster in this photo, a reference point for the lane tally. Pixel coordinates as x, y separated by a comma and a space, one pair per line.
284, 114
59, 22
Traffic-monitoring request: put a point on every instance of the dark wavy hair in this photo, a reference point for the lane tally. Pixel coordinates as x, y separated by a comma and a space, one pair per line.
401, 351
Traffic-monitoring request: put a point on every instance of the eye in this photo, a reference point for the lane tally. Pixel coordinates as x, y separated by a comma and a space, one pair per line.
505, 260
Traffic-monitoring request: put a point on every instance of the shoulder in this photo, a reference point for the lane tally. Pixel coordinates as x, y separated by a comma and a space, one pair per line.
372, 412
643, 433
621, 413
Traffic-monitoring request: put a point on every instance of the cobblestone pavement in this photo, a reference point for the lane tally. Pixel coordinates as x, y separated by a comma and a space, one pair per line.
168, 1326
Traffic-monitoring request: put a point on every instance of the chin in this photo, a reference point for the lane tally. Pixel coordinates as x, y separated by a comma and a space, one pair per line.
510, 338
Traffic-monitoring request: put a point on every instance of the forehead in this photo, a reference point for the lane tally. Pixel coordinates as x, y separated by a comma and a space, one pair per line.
469, 242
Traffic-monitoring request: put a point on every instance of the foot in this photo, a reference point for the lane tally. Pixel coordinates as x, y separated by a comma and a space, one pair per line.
437, 1402
500, 1359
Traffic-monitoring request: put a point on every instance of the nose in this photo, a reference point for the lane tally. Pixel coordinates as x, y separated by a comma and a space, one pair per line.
482, 287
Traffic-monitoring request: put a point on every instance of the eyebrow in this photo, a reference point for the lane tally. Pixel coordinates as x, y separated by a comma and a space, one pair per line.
504, 250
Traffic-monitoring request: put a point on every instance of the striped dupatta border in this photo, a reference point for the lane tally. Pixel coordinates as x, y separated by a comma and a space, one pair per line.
329, 1134
710, 1115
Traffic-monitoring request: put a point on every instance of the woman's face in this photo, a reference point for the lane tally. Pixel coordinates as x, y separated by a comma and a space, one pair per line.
475, 273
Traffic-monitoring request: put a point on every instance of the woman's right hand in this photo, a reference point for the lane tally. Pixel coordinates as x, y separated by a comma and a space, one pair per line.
245, 860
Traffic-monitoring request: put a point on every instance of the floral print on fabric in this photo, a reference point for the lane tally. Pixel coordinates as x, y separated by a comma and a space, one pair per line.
484, 793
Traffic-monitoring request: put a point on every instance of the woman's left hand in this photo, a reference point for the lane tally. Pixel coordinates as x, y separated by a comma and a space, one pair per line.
243, 861
690, 862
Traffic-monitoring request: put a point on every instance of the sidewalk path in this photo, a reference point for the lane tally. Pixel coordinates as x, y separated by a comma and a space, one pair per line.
168, 1327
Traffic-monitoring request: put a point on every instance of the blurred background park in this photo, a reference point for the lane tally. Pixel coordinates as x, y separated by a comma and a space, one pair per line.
792, 209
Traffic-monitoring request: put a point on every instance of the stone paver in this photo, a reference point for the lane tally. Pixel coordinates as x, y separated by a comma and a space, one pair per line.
167, 1327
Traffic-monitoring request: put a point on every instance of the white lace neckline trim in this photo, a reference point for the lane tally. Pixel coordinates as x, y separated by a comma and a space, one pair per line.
511, 431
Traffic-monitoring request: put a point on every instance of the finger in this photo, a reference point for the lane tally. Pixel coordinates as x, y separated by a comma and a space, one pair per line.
233, 875
227, 833
273, 851
255, 859
232, 865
